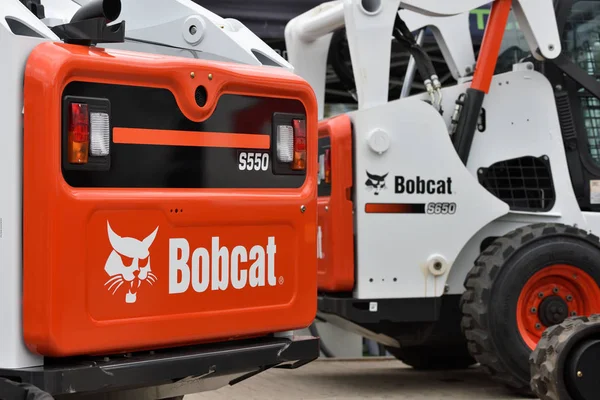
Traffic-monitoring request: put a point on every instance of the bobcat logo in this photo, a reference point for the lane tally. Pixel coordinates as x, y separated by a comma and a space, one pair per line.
376, 182
129, 263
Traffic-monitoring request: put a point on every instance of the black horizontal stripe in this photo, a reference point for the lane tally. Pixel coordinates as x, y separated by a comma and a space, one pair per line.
162, 166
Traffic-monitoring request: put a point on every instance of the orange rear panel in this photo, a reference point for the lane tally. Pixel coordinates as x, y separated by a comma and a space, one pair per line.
335, 265
169, 242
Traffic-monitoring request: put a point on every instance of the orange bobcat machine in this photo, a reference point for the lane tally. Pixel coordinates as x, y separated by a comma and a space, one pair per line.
163, 234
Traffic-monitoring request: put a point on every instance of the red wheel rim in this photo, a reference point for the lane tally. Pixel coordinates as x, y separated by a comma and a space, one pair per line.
556, 291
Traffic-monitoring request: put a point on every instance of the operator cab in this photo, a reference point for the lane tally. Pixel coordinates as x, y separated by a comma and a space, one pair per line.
574, 77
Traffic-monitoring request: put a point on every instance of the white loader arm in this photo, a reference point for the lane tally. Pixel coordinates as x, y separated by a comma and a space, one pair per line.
453, 36
178, 27
536, 19
308, 37
186, 25
369, 26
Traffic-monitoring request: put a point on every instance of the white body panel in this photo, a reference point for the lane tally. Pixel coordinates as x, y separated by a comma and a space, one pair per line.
405, 246
13, 353
521, 121
395, 252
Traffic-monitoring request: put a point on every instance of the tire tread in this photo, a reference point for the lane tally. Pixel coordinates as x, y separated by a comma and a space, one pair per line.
478, 284
544, 360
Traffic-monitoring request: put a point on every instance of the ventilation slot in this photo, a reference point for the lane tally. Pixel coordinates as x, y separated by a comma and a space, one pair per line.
525, 183
565, 116
21, 29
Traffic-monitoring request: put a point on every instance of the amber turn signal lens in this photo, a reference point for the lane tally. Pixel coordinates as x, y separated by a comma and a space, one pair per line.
79, 134
299, 161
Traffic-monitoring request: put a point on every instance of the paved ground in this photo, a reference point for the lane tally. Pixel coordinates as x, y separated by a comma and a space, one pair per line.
365, 379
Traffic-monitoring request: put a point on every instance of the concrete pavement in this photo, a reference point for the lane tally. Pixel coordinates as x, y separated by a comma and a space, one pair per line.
377, 378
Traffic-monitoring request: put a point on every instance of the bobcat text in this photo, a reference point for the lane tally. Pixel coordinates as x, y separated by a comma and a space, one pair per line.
220, 266
423, 186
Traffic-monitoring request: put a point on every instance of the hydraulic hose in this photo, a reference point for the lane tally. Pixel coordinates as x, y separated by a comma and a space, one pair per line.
403, 34
407, 42
419, 57
422, 60
337, 62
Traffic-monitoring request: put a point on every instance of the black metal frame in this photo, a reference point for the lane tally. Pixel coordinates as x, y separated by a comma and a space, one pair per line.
409, 321
243, 358
486, 180
556, 74
393, 310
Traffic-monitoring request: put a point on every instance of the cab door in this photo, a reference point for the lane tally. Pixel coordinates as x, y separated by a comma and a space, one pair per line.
574, 76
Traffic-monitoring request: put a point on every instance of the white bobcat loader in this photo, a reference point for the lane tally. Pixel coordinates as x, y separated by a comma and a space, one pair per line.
159, 195
456, 225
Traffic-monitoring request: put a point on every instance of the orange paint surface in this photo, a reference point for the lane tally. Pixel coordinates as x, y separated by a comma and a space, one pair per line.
183, 138
336, 267
83, 295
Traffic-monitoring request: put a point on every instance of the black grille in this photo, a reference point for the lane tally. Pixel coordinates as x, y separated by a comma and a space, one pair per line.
590, 106
524, 183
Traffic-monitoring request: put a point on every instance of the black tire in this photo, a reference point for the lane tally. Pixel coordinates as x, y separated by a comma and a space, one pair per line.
427, 358
493, 286
15, 390
547, 361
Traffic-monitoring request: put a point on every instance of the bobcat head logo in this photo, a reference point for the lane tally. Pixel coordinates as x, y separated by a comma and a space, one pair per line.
375, 182
128, 263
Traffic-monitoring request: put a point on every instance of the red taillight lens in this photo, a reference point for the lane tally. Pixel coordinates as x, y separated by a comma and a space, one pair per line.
79, 133
299, 161
327, 165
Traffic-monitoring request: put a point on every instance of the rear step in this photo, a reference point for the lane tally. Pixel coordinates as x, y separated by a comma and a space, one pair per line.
160, 372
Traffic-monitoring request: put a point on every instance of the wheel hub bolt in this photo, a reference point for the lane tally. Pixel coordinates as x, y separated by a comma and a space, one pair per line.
538, 326
569, 297
555, 290
540, 295
573, 312
533, 310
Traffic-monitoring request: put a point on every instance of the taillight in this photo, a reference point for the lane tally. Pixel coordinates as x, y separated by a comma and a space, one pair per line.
291, 144
299, 161
285, 143
100, 134
88, 133
327, 165
79, 133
